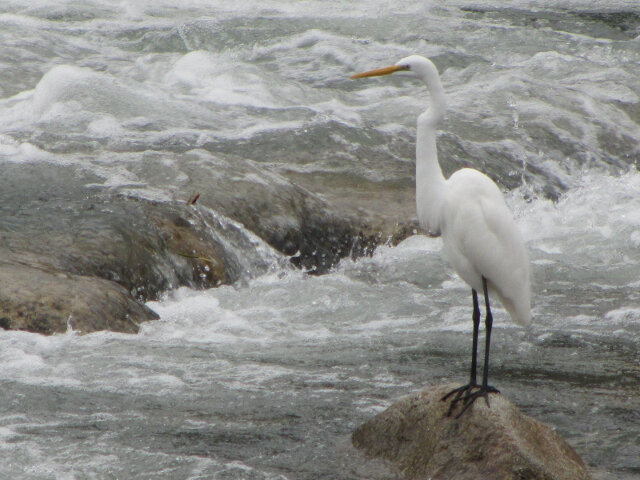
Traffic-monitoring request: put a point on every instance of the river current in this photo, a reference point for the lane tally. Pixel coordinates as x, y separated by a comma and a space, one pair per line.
266, 378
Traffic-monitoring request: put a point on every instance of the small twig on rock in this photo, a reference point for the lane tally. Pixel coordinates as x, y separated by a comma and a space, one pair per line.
193, 199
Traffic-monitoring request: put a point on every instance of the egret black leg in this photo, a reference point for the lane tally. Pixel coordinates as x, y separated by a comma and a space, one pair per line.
476, 329
488, 324
469, 393
485, 389
465, 390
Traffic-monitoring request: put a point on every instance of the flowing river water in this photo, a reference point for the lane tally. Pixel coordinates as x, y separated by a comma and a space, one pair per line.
266, 378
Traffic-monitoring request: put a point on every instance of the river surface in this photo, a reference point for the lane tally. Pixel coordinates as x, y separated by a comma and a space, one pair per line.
266, 378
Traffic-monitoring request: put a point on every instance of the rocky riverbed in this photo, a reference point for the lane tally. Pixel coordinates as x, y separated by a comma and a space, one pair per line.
77, 256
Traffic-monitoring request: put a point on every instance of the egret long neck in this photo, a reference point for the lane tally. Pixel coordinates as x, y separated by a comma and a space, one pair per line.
430, 183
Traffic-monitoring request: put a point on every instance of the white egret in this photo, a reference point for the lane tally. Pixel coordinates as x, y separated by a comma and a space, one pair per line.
480, 237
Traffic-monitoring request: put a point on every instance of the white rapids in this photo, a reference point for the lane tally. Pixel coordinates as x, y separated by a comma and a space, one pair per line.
265, 378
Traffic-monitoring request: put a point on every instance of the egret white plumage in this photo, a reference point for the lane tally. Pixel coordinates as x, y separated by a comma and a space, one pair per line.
480, 237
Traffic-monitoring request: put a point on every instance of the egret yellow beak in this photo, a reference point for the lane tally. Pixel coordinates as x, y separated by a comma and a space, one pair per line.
380, 71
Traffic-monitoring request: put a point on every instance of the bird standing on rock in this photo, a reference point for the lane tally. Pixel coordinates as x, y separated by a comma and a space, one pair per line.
480, 237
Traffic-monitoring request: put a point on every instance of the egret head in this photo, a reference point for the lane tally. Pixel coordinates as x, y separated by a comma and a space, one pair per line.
414, 65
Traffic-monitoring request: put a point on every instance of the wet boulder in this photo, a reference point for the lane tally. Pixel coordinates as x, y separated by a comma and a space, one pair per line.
86, 258
313, 223
61, 221
91, 266
417, 439
43, 300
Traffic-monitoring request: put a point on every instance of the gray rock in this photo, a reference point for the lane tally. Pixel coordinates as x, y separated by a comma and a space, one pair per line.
57, 221
497, 443
96, 261
72, 256
47, 301
316, 223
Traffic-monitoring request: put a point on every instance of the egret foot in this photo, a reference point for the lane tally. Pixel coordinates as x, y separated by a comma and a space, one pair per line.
460, 392
467, 396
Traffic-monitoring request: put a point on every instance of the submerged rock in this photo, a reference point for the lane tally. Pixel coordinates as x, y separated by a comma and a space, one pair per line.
48, 301
91, 267
300, 219
85, 258
499, 443
74, 246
